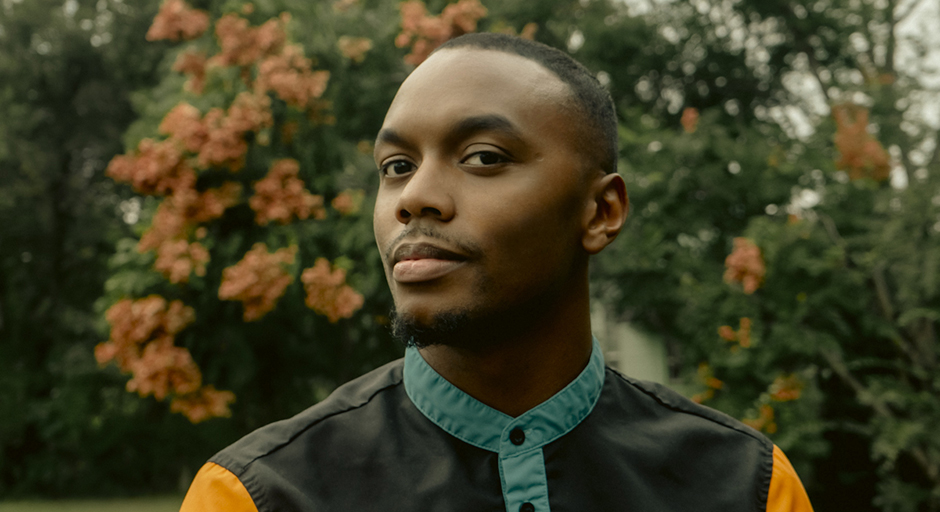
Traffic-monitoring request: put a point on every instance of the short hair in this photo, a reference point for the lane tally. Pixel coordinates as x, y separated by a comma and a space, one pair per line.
590, 97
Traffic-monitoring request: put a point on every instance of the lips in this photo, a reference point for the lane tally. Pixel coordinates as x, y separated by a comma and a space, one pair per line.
422, 262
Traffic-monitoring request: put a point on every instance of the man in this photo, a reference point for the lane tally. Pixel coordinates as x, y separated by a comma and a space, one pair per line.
497, 168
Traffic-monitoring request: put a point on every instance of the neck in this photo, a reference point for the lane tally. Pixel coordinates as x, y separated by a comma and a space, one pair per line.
528, 367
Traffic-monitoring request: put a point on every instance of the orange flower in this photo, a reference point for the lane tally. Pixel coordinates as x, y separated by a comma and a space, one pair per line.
177, 259
328, 293
176, 20
186, 207
689, 119
203, 404
354, 48
225, 143
258, 280
348, 202
184, 124
706, 376
745, 265
288, 74
786, 388
243, 45
154, 168
425, 33
193, 64
281, 195
141, 343
136, 323
764, 421
860, 154
164, 368
727, 333
742, 335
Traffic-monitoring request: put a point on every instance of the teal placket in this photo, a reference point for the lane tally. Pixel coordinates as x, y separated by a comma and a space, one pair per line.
521, 466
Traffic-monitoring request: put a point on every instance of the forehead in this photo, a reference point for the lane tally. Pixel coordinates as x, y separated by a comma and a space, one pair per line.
463, 82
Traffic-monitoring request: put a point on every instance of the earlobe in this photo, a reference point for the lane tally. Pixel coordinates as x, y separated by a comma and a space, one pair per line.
605, 213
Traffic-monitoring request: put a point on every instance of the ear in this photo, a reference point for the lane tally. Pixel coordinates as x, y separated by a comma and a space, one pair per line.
604, 213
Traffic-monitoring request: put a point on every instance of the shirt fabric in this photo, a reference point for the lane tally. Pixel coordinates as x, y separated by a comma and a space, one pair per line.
403, 438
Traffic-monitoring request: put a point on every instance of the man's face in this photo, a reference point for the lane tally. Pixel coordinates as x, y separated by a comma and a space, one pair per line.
482, 192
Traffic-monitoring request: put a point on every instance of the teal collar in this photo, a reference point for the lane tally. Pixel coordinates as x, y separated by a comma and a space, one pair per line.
469, 420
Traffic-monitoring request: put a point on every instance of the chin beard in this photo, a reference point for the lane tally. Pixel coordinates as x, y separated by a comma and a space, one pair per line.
460, 328
448, 328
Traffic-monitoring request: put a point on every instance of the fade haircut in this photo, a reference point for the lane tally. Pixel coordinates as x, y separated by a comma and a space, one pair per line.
591, 99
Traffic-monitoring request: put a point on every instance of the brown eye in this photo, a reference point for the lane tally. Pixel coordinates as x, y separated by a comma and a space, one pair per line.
397, 168
485, 158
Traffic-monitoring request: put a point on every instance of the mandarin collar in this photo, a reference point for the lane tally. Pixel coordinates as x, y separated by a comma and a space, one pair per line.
475, 423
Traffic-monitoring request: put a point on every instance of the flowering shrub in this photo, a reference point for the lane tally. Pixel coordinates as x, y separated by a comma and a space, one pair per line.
425, 33
745, 265
141, 343
281, 196
260, 84
192, 63
348, 202
327, 292
288, 75
177, 21
742, 336
764, 421
860, 154
258, 280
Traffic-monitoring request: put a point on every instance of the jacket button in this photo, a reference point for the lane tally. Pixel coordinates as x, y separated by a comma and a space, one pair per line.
517, 437
527, 507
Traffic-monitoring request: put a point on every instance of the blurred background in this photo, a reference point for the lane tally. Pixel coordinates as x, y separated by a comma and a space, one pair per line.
186, 249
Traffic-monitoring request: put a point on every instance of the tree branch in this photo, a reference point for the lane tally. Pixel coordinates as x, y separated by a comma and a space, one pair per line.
881, 288
931, 468
892, 37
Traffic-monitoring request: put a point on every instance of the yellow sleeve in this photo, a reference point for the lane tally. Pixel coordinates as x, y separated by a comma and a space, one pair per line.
217, 489
786, 491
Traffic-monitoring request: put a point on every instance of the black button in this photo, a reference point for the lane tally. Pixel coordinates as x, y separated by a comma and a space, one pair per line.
527, 507
517, 437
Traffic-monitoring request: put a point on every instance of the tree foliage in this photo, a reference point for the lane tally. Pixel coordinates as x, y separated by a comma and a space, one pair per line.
783, 240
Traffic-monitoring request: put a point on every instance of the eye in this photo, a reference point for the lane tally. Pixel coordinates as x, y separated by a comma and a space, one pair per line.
396, 168
485, 158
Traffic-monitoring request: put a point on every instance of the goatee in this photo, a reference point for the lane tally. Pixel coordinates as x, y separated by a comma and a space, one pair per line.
448, 328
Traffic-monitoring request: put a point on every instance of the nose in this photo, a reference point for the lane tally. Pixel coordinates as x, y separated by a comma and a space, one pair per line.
428, 193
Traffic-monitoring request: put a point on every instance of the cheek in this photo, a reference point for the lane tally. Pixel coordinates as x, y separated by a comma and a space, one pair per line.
535, 238
383, 222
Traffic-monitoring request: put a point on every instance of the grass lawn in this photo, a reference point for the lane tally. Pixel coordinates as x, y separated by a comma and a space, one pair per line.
149, 504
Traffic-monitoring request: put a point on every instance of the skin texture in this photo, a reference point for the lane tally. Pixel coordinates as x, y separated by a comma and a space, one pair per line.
484, 193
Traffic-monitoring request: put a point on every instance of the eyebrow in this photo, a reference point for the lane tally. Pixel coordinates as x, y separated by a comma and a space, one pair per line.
483, 123
463, 128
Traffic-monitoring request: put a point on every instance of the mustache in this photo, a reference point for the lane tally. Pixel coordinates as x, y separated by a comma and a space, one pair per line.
467, 248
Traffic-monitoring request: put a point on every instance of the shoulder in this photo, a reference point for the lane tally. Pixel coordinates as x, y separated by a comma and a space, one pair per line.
668, 433
665, 404
355, 395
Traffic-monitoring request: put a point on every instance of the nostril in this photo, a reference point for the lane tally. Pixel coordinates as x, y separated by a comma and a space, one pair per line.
404, 214
430, 211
